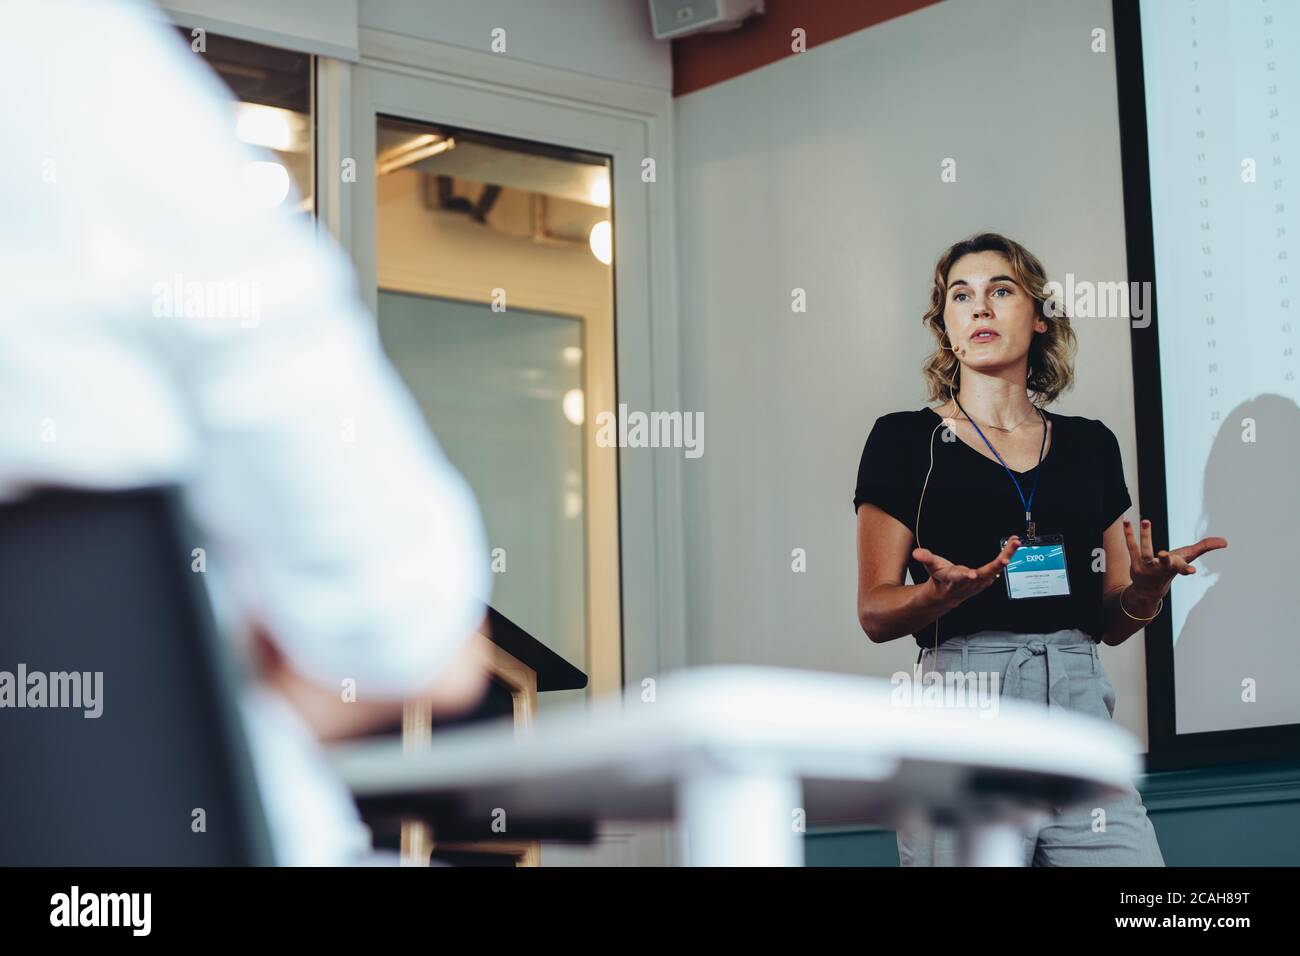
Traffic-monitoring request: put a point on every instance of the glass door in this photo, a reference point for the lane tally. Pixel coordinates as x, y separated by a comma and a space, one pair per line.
496, 306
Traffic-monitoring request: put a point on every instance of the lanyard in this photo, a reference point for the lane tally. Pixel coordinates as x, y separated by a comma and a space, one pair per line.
1030, 527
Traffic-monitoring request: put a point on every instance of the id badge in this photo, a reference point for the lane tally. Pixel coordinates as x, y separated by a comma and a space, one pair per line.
1037, 569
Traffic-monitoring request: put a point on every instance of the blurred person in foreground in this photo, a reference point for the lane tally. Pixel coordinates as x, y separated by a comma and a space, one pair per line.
342, 538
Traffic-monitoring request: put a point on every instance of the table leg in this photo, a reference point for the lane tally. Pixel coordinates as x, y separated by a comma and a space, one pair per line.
739, 819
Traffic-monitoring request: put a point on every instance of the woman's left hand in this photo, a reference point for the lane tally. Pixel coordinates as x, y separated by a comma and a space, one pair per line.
1153, 572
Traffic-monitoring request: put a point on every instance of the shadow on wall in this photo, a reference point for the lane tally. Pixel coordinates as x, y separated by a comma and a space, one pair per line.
1243, 629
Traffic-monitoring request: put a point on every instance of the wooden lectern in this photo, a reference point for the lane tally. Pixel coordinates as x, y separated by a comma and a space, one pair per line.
521, 667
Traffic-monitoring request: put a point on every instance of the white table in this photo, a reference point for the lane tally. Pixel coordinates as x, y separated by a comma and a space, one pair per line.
743, 757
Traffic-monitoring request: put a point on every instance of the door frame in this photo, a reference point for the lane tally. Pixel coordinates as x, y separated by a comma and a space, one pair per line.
439, 83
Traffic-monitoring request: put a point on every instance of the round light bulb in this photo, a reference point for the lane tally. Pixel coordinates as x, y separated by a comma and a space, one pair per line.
574, 406
263, 126
266, 183
602, 241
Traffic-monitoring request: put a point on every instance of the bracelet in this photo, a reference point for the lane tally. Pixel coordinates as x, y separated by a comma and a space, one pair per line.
1125, 610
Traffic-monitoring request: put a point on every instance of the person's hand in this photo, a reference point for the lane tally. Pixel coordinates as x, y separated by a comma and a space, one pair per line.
954, 583
1153, 572
456, 689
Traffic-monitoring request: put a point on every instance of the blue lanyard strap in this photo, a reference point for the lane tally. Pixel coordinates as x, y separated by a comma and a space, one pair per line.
1038, 472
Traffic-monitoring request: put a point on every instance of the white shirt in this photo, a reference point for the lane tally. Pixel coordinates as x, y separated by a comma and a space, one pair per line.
305, 462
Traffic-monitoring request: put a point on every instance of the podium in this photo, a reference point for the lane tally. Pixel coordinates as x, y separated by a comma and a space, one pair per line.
520, 667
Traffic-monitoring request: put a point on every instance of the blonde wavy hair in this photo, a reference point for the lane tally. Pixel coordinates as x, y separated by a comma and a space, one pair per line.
1051, 353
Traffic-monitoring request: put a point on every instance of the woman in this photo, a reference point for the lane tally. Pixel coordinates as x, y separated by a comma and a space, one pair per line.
1011, 522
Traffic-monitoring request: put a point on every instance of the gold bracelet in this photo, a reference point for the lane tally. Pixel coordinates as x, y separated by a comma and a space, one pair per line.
1125, 610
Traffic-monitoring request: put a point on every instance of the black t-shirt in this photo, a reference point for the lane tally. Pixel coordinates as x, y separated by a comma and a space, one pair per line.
970, 505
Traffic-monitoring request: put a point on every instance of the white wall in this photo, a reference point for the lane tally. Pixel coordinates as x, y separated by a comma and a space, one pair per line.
822, 172
605, 38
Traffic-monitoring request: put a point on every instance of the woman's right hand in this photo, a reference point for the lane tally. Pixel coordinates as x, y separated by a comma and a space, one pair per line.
954, 583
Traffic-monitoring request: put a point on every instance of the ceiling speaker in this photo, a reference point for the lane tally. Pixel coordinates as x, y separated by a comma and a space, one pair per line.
678, 18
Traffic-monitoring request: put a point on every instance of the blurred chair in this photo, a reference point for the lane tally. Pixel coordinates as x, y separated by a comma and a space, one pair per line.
102, 582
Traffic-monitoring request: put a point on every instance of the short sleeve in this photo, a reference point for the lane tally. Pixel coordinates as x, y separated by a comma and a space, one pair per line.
1115, 498
884, 478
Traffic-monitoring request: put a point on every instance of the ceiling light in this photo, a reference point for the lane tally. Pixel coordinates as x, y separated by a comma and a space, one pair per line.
602, 241
412, 151
573, 406
264, 126
267, 184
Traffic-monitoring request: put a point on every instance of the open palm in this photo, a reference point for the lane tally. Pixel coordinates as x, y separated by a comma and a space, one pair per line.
956, 582
1152, 571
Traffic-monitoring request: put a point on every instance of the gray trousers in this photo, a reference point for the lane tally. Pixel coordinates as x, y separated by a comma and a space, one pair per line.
1060, 669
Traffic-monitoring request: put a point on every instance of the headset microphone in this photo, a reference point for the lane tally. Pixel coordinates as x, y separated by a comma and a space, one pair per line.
921, 502
950, 348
